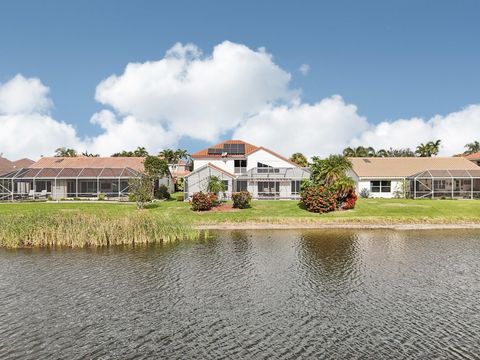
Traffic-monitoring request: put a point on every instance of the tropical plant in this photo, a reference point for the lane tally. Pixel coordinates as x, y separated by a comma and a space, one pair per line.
365, 193
162, 192
141, 190
349, 201
359, 151
318, 199
328, 171
65, 152
169, 156
428, 149
241, 199
180, 184
215, 185
203, 202
87, 154
343, 187
472, 148
299, 159
138, 152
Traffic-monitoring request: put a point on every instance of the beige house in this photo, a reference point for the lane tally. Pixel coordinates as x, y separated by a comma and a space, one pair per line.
416, 177
74, 177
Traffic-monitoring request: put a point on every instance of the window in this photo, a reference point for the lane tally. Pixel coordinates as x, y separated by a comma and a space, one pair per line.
266, 169
440, 185
225, 183
241, 185
240, 166
88, 187
380, 186
296, 187
268, 188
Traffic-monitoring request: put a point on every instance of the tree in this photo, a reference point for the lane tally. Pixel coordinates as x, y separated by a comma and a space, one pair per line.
472, 148
87, 154
299, 159
329, 170
155, 168
138, 152
359, 151
429, 149
181, 154
170, 156
215, 185
141, 190
65, 152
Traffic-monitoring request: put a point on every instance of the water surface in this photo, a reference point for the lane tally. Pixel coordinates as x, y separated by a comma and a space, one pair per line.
248, 294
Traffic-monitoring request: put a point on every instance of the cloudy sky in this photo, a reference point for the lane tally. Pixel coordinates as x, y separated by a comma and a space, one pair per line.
313, 77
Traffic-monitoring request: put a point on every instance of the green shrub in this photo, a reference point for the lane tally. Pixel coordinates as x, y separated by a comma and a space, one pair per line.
180, 197
241, 200
180, 184
162, 192
131, 197
318, 199
101, 196
365, 193
203, 202
49, 198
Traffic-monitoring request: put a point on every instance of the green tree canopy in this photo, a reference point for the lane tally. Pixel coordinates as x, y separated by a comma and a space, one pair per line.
299, 159
328, 171
65, 152
472, 148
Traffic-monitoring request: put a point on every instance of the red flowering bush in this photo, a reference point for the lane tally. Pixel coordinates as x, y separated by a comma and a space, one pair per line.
318, 199
203, 202
349, 201
241, 199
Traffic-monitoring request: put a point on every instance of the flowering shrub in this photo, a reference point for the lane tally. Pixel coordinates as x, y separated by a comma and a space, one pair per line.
203, 202
318, 199
241, 200
350, 200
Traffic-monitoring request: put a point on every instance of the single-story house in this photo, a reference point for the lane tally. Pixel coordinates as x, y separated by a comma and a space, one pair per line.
416, 177
74, 177
246, 167
7, 165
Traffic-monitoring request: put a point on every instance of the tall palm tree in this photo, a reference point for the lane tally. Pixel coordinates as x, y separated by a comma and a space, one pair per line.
472, 148
329, 170
65, 152
215, 185
359, 151
140, 152
87, 154
169, 155
299, 159
382, 153
434, 147
371, 151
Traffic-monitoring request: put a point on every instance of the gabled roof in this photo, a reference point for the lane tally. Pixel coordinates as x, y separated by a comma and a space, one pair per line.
210, 165
135, 163
6, 165
23, 163
400, 167
203, 154
474, 156
249, 149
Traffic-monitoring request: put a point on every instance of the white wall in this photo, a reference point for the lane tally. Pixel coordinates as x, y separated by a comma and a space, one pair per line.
198, 181
396, 186
226, 164
266, 158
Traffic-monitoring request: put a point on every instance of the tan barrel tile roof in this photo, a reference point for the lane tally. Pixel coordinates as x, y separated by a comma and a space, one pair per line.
406, 166
135, 163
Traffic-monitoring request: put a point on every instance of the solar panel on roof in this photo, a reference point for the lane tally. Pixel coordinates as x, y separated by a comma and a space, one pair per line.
234, 149
213, 151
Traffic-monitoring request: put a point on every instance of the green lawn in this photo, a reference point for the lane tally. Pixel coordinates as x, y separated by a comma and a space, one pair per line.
366, 211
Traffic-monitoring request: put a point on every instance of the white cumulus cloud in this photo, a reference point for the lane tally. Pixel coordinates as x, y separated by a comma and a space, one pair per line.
304, 69
234, 90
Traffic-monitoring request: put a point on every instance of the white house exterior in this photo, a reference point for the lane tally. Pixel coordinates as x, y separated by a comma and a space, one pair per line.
416, 177
243, 166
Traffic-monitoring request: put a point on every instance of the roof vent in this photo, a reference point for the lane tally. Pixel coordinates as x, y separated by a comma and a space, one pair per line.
367, 161
59, 160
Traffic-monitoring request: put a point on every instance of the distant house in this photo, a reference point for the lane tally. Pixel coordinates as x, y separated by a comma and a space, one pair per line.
75, 177
475, 158
179, 170
246, 167
417, 177
7, 165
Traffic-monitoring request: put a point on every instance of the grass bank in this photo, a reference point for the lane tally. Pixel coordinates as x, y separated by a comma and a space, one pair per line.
97, 224
50, 229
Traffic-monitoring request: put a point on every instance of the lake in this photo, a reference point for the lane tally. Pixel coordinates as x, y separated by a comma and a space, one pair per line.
284, 294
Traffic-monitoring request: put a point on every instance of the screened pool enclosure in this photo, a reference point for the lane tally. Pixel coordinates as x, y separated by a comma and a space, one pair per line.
436, 184
58, 183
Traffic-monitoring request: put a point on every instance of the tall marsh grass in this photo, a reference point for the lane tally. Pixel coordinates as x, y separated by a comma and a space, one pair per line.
88, 230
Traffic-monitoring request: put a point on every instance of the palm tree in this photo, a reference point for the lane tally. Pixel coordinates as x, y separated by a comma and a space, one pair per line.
423, 150
329, 170
181, 154
472, 148
434, 147
359, 151
65, 152
169, 155
215, 185
382, 153
140, 152
371, 152
87, 154
299, 159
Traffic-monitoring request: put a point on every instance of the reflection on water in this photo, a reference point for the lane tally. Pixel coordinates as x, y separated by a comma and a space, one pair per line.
248, 294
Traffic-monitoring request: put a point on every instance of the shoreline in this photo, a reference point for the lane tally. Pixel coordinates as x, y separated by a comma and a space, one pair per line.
337, 226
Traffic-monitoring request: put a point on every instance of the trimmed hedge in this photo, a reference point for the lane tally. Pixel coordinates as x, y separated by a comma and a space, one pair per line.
241, 199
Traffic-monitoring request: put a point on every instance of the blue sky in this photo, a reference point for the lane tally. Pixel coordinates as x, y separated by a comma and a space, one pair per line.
391, 59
